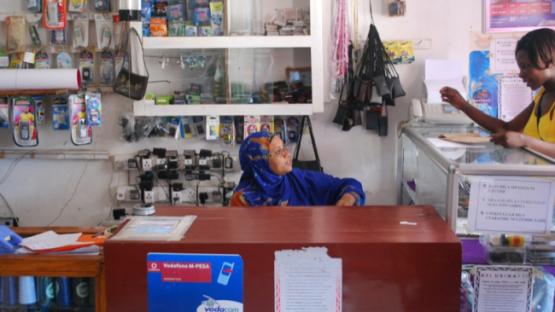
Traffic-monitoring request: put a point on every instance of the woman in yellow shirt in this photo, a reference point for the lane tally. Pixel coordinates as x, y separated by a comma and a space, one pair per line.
534, 127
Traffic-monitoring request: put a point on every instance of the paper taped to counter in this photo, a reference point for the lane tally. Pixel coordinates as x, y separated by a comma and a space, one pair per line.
154, 228
307, 278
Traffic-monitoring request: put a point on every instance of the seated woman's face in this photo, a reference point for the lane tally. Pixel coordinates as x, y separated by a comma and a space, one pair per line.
279, 158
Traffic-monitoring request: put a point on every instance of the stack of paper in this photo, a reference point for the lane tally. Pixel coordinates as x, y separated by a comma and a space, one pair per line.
51, 242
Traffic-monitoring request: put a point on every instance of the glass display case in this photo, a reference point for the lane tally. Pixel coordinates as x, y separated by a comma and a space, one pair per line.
430, 172
263, 61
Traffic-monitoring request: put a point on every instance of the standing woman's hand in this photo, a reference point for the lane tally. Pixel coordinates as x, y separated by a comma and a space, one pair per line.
452, 97
347, 199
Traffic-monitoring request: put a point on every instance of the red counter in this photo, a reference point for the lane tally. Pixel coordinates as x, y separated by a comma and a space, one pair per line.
387, 266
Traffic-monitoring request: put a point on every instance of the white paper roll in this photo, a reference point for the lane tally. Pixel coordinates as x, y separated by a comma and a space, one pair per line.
39, 79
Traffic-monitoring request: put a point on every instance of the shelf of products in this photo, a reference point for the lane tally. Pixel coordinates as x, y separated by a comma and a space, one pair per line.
261, 67
73, 273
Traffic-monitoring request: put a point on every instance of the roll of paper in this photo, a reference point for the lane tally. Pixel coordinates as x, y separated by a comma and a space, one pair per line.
39, 79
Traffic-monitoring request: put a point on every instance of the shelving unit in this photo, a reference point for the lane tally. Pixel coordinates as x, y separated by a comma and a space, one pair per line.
314, 42
91, 266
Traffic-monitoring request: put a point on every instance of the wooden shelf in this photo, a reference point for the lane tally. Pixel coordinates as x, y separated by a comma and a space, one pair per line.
68, 265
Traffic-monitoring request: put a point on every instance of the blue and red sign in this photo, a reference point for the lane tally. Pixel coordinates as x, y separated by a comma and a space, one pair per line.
195, 282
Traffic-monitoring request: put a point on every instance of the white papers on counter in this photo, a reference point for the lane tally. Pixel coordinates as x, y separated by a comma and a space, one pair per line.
441, 73
515, 205
503, 288
52, 242
307, 280
154, 228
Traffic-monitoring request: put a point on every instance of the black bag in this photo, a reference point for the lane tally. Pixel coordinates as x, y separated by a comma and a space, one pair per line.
313, 165
132, 78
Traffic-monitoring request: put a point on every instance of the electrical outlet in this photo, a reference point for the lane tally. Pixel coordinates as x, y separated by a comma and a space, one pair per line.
147, 164
177, 197
161, 161
120, 194
126, 193
149, 197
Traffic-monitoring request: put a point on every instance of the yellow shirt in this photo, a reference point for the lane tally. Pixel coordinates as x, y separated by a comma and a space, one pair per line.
545, 128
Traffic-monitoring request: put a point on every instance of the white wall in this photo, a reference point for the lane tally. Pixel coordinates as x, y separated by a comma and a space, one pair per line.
47, 192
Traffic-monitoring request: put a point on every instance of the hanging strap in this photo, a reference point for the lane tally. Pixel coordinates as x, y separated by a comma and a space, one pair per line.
298, 148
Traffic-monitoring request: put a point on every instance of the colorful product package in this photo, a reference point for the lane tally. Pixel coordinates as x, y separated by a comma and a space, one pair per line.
102, 5
217, 18
176, 12
251, 125
24, 122
267, 124
54, 15
42, 60
104, 28
58, 37
94, 109
158, 27
16, 30
201, 15
77, 6
107, 67
80, 33
81, 131
64, 60
41, 108
60, 117
34, 6
86, 66
4, 113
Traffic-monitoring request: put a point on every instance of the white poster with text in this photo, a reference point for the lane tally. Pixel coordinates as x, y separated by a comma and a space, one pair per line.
499, 288
510, 204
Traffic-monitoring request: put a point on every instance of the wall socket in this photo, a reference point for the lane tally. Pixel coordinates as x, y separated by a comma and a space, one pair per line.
147, 164
124, 193
177, 197
149, 197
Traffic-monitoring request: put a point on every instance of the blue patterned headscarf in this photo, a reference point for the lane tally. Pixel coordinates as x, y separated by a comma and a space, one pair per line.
260, 186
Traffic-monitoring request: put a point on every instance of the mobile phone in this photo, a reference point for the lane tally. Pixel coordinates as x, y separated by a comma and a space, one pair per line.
225, 273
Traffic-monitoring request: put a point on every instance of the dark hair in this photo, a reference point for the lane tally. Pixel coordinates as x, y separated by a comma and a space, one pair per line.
539, 45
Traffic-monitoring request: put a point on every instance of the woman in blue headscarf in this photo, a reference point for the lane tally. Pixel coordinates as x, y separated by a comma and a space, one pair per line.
269, 179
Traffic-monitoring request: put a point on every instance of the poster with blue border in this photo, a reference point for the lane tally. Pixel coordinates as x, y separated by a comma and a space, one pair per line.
483, 86
194, 282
